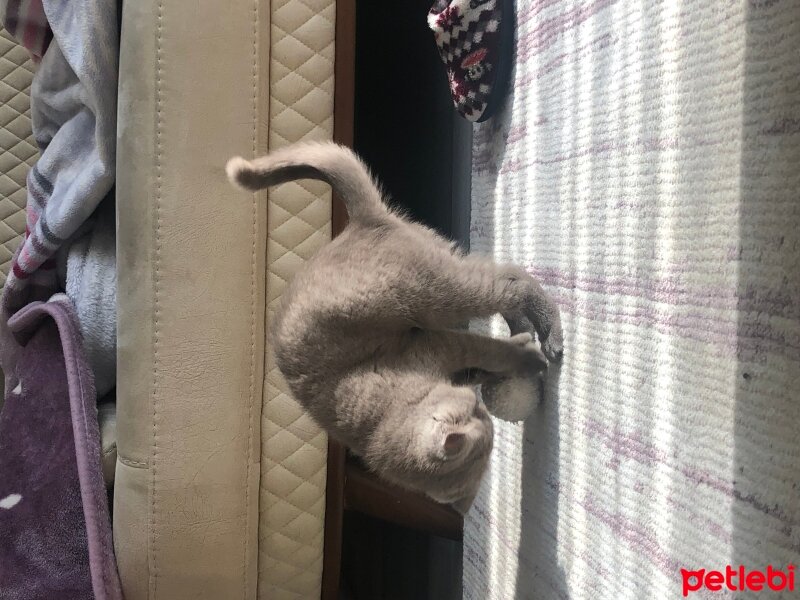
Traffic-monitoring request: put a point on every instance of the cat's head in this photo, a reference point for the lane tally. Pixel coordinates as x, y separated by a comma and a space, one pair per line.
441, 447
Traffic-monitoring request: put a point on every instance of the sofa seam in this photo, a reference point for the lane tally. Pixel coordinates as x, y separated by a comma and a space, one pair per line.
134, 464
251, 396
155, 342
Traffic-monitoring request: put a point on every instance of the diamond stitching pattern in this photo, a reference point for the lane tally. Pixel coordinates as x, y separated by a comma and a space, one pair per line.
17, 149
294, 449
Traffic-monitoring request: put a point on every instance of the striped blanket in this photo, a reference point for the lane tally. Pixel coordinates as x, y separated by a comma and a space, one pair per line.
647, 170
69, 242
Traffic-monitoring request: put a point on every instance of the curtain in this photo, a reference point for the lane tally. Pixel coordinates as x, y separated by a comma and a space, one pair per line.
646, 169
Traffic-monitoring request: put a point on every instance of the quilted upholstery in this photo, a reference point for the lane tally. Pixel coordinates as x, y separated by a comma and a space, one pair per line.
299, 217
17, 148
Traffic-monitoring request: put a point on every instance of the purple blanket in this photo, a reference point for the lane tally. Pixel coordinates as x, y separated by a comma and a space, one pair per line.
55, 531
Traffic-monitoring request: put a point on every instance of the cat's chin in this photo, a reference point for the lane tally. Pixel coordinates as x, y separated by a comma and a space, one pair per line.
463, 505
460, 505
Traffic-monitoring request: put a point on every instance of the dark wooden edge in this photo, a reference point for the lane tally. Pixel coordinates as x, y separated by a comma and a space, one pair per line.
369, 495
344, 100
334, 512
343, 119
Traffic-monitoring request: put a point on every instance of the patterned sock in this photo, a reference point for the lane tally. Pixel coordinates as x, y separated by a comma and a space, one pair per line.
475, 39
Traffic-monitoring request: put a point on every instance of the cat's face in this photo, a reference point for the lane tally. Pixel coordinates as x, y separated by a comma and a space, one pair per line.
444, 449
460, 442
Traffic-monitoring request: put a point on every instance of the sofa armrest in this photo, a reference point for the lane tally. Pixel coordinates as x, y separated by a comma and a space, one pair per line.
191, 299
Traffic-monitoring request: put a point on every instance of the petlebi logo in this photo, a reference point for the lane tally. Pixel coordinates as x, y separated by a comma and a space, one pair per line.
739, 579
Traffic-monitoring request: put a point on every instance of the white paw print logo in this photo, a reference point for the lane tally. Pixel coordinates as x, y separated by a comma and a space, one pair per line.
10, 501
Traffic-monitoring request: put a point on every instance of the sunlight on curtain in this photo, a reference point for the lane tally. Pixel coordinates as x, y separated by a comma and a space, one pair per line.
643, 172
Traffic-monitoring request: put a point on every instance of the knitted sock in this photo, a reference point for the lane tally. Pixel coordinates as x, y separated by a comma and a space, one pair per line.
475, 41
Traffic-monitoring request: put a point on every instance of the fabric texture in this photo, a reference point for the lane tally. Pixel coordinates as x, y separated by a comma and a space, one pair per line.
55, 530
17, 149
90, 272
469, 36
73, 106
27, 23
293, 447
645, 169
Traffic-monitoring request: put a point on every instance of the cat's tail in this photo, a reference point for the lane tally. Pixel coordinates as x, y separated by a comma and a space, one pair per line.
326, 161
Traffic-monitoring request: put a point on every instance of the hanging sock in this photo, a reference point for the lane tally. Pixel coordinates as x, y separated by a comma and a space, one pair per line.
476, 43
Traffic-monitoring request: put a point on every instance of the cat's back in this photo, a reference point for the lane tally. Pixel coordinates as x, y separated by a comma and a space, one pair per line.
352, 286
365, 265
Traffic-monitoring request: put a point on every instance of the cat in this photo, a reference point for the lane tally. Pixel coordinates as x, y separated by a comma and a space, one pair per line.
368, 333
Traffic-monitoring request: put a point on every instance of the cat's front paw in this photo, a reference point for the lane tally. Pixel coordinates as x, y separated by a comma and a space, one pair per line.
553, 348
531, 359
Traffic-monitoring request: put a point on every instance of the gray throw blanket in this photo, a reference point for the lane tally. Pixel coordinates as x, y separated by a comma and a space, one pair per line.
73, 111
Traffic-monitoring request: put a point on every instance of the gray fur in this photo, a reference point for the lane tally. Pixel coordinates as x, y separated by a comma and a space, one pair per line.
366, 334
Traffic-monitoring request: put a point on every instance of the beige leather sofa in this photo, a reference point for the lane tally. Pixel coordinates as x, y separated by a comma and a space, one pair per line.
223, 487
220, 480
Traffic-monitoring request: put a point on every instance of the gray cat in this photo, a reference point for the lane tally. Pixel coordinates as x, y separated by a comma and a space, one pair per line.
367, 335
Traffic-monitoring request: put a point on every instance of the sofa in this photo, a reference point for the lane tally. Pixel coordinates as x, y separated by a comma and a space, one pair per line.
220, 487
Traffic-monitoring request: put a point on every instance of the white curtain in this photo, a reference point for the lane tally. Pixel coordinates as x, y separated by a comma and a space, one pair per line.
647, 170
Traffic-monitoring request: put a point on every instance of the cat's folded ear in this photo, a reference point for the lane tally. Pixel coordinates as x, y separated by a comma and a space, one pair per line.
454, 443
456, 440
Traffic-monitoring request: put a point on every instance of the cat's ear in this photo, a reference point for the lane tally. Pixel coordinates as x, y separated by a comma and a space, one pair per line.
454, 443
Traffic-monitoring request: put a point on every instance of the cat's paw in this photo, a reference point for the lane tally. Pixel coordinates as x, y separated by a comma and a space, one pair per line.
531, 357
534, 359
553, 346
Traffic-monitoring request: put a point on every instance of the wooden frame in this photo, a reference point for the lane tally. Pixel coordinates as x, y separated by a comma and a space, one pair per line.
343, 129
349, 486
